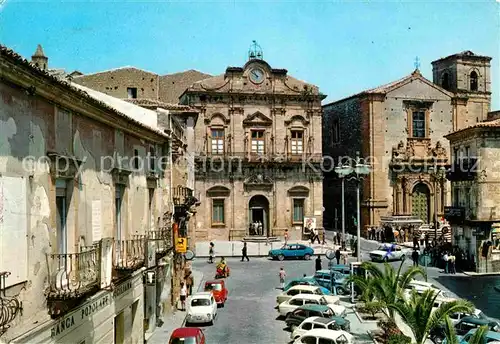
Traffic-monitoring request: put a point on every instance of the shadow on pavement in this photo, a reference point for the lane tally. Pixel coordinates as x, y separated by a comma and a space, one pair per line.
480, 290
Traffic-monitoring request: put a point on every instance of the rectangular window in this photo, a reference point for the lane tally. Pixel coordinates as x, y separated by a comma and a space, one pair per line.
418, 121
258, 145
217, 211
336, 131
62, 216
132, 92
118, 211
297, 141
298, 210
455, 155
136, 160
152, 159
467, 152
217, 141
151, 195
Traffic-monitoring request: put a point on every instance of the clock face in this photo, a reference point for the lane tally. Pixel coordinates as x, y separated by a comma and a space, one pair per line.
257, 75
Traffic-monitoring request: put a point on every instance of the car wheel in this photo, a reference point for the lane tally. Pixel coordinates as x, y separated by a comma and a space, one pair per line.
341, 291
222, 305
307, 257
281, 257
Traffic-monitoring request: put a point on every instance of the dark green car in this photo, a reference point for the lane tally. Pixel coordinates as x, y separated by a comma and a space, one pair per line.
463, 327
296, 317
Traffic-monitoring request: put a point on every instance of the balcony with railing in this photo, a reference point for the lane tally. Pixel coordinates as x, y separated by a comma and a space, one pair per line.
260, 158
73, 275
129, 255
163, 241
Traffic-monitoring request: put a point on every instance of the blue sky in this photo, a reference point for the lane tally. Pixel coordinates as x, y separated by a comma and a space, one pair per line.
343, 47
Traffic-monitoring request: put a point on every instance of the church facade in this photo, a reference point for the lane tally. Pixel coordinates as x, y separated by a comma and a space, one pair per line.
258, 151
400, 129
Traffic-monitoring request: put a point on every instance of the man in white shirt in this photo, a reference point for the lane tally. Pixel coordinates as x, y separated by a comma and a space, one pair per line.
445, 259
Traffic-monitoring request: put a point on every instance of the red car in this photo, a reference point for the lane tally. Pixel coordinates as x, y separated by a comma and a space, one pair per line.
218, 288
187, 335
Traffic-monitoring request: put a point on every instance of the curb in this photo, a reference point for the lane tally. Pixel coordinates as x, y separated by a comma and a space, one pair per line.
479, 274
372, 337
361, 320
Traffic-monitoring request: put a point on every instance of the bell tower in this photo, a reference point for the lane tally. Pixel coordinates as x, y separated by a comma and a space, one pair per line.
39, 58
468, 76
255, 52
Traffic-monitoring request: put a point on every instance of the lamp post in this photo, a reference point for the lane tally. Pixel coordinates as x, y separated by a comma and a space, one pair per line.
357, 173
342, 172
438, 176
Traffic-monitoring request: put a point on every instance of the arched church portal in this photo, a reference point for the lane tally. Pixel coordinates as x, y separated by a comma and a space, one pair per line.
420, 202
258, 209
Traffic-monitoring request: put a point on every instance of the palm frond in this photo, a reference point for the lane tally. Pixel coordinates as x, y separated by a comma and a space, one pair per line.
479, 336
449, 331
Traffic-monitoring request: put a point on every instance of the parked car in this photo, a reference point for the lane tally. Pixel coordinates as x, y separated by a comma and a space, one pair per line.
218, 288
187, 335
298, 289
489, 338
324, 337
201, 308
314, 323
296, 317
292, 251
341, 268
299, 300
323, 277
462, 327
389, 252
421, 286
306, 281
456, 317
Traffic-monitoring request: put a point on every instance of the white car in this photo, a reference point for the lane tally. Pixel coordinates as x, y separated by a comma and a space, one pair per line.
389, 252
296, 290
201, 308
300, 300
320, 336
312, 323
420, 287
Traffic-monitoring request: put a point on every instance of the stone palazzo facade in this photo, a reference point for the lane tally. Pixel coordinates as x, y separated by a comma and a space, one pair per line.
401, 128
258, 149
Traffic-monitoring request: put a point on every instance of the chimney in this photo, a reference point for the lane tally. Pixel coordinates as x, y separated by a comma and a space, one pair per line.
39, 59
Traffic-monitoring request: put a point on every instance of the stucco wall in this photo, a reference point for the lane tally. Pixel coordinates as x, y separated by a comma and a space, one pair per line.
30, 126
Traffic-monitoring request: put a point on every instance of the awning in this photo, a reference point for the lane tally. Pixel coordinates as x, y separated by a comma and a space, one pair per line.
400, 220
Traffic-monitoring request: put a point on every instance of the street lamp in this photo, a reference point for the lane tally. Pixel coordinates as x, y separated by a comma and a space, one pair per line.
343, 171
438, 175
357, 173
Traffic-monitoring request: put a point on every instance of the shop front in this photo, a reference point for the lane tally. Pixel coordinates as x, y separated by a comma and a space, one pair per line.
110, 316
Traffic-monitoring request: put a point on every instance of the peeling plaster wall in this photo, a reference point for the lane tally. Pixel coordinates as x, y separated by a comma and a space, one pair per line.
30, 126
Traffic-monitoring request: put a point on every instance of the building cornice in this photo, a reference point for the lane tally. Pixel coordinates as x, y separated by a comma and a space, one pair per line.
66, 97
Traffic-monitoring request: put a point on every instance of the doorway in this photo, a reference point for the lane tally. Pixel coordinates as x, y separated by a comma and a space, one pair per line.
258, 216
420, 202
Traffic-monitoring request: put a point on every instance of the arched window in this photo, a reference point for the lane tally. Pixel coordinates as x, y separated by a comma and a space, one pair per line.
445, 81
473, 81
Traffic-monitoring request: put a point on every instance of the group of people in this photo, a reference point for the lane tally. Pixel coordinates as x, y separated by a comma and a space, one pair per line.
256, 228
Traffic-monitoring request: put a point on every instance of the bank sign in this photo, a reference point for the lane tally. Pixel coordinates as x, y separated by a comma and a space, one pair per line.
75, 319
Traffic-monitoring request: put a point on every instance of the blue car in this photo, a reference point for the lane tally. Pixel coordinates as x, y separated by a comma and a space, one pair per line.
306, 281
324, 279
292, 251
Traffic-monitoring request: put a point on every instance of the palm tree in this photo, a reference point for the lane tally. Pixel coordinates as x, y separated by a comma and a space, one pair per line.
386, 285
451, 335
419, 315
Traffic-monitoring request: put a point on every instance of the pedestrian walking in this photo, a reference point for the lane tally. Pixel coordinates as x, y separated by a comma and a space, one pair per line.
183, 295
189, 282
315, 236
244, 253
337, 256
446, 261
452, 267
286, 236
344, 256
323, 236
282, 275
318, 263
211, 253
414, 257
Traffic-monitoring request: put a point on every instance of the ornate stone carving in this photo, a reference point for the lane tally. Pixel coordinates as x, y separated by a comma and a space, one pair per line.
438, 151
259, 179
410, 149
399, 152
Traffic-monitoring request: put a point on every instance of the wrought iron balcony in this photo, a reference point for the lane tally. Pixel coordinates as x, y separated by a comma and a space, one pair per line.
10, 307
259, 158
73, 275
129, 255
163, 240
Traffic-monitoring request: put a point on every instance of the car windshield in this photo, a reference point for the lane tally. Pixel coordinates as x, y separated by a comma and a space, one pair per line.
200, 302
187, 340
214, 286
322, 301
